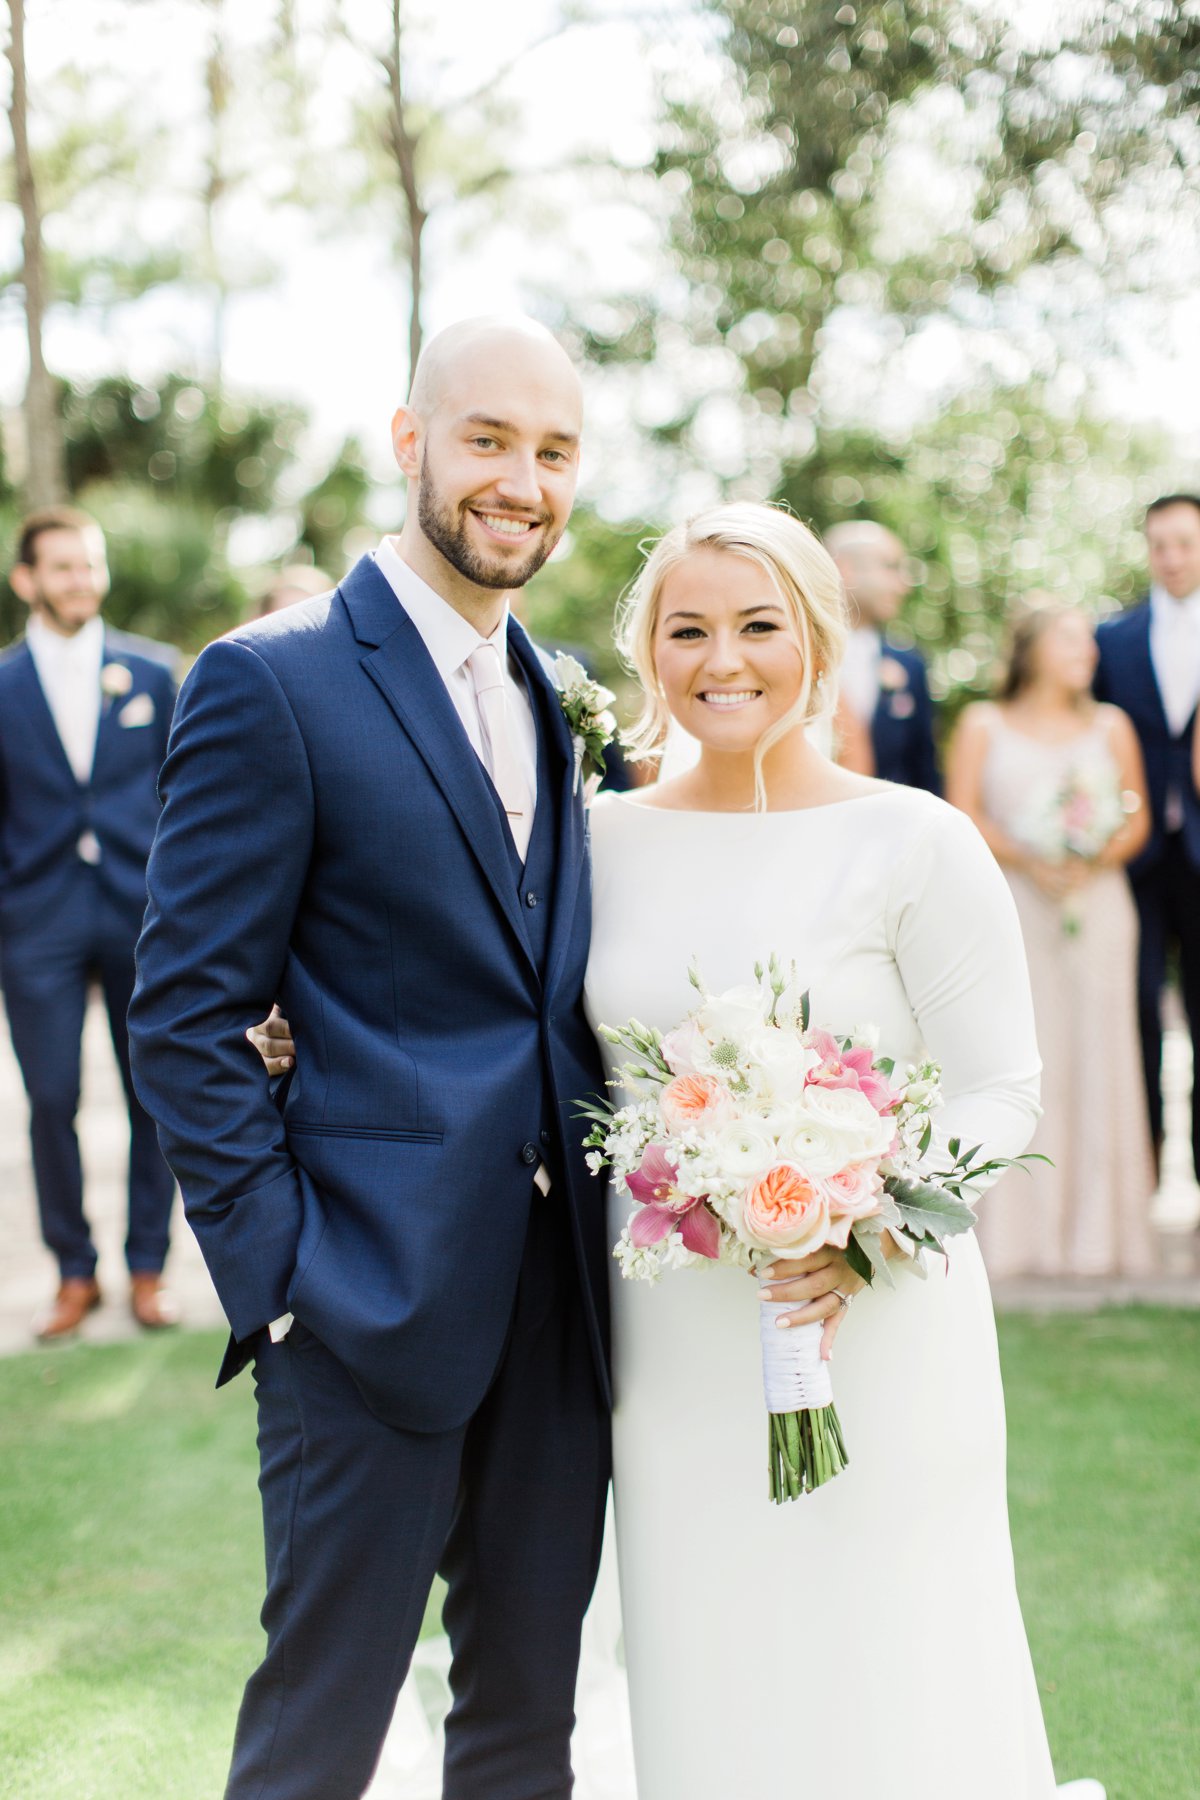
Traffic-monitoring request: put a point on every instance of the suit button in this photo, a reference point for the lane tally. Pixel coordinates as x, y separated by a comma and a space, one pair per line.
529, 1154
545, 1137
531, 900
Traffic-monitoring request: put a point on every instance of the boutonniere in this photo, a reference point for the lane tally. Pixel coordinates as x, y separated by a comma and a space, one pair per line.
585, 704
115, 679
892, 675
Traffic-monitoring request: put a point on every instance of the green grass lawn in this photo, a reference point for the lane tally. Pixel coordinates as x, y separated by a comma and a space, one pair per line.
131, 1562
1104, 1483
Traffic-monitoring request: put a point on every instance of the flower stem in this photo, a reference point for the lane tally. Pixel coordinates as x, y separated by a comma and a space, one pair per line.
804, 1451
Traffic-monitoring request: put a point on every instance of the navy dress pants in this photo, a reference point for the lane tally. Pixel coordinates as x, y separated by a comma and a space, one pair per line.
359, 1516
45, 971
1168, 903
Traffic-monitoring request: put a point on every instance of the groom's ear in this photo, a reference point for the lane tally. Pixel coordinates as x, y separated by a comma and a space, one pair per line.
406, 436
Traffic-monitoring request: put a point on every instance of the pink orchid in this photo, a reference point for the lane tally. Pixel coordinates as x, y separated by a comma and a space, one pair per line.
840, 1068
663, 1207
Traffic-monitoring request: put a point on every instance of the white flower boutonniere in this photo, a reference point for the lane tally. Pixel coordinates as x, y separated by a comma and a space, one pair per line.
586, 707
115, 679
892, 675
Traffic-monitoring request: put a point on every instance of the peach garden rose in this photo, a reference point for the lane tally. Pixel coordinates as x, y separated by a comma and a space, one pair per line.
786, 1212
699, 1100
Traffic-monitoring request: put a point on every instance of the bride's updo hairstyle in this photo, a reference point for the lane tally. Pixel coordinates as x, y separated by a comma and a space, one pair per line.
802, 573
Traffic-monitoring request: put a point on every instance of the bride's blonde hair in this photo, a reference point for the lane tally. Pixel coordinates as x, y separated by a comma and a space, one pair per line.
803, 574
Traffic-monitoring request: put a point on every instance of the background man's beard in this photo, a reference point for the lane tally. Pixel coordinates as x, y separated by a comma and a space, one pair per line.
67, 626
447, 532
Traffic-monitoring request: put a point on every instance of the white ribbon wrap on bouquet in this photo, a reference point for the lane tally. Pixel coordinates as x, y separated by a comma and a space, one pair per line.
794, 1377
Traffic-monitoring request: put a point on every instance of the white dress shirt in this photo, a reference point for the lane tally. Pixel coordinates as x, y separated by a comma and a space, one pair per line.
68, 669
450, 639
68, 672
1175, 653
858, 677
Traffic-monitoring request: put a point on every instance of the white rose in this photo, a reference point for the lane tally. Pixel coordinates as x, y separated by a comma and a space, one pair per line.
778, 1062
681, 1047
728, 1017
851, 1117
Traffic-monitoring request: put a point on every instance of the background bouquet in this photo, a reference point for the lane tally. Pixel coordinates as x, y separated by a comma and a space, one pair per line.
1074, 817
751, 1135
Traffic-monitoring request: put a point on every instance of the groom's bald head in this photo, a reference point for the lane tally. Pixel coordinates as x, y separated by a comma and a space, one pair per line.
484, 348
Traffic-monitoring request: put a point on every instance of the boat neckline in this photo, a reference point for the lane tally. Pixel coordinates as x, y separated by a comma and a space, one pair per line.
785, 812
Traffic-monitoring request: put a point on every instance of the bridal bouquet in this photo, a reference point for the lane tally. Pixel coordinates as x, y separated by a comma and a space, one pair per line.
1074, 817
752, 1135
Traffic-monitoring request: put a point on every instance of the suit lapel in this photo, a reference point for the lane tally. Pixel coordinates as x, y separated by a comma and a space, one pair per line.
404, 672
569, 800
107, 725
41, 719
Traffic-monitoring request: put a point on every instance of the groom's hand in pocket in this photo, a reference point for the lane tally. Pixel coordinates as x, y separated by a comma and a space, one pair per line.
273, 1041
823, 1282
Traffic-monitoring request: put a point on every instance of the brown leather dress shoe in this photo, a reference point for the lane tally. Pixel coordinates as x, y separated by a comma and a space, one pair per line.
150, 1303
76, 1298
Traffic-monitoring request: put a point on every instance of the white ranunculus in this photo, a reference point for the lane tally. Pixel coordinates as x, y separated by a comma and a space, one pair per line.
850, 1115
817, 1146
746, 1150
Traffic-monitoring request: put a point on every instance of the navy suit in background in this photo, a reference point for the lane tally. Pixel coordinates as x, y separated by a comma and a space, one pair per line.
902, 723
331, 840
65, 921
1166, 876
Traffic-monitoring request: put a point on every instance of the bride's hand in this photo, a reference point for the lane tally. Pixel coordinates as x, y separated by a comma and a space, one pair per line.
273, 1041
824, 1281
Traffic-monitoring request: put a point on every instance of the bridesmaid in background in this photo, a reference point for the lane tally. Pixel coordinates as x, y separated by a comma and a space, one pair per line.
1054, 781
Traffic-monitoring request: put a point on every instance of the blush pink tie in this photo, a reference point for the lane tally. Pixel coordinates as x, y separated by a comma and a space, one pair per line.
499, 751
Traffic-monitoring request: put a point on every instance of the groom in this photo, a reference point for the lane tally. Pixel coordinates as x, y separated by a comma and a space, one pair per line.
371, 815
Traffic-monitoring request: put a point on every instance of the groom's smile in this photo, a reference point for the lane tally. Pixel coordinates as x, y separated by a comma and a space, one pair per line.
506, 525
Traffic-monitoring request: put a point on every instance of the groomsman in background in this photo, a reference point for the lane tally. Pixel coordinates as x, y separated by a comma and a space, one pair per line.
84, 717
886, 717
1150, 667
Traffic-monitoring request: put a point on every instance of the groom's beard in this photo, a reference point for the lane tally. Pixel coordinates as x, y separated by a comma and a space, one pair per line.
446, 529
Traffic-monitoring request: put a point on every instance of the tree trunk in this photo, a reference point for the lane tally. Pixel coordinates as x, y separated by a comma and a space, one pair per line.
45, 475
404, 149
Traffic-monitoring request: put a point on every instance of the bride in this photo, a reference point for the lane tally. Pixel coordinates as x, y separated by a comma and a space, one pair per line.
866, 1641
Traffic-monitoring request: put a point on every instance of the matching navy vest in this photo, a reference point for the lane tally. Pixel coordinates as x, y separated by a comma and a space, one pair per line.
535, 881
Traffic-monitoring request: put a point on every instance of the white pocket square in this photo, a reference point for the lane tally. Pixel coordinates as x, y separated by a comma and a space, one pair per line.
138, 711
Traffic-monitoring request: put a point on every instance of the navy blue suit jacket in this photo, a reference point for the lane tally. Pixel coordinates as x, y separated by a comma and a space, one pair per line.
1125, 677
902, 724
44, 810
330, 839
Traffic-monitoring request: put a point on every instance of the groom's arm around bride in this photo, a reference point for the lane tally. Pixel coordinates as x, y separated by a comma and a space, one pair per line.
334, 837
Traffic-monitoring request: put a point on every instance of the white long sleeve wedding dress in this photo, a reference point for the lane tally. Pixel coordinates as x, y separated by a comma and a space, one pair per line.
865, 1641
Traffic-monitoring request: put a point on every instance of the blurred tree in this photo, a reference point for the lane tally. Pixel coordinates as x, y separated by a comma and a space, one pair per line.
333, 513
171, 470
183, 441
890, 209
1004, 495
786, 180
571, 601
45, 477
435, 150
